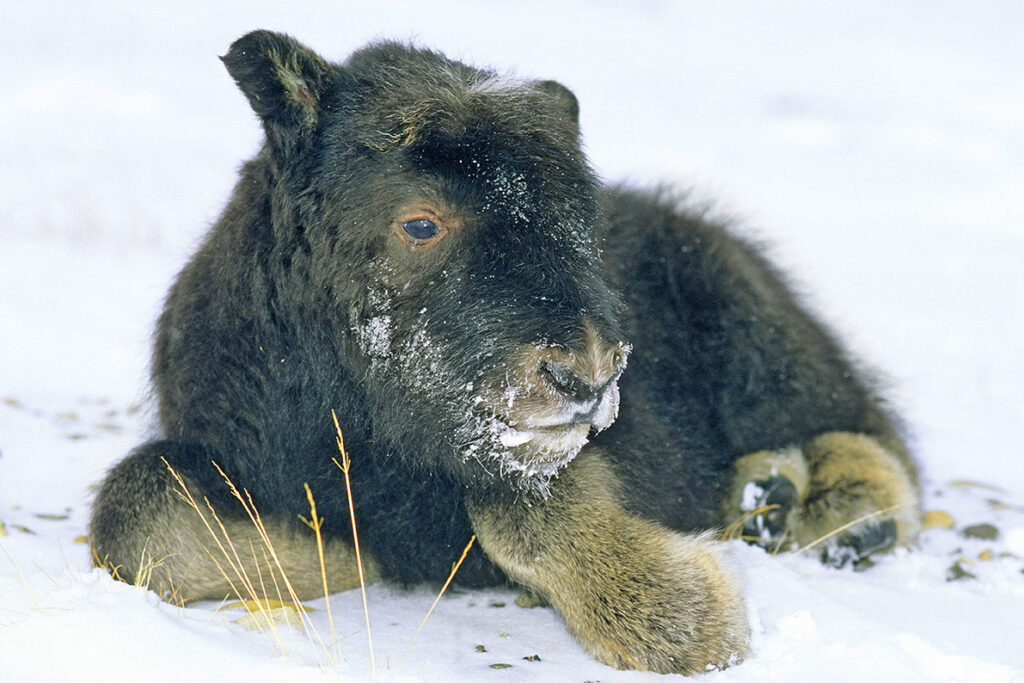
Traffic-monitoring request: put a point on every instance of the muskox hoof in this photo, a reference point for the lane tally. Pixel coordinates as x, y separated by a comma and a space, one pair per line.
774, 498
859, 543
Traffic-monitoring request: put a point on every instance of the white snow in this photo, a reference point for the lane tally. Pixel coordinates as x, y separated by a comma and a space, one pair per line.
511, 437
375, 336
752, 495
879, 145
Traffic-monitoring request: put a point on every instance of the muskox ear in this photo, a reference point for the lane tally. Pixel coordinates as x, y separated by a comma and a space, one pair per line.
563, 96
284, 80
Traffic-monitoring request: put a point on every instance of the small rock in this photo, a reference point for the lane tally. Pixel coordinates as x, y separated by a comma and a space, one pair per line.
986, 532
481, 648
532, 658
936, 518
956, 572
863, 564
529, 600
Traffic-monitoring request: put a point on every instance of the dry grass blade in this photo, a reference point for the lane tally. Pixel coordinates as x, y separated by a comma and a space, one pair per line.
273, 576
147, 564
844, 527
232, 559
106, 565
21, 576
782, 540
430, 611
733, 531
344, 466
316, 523
250, 509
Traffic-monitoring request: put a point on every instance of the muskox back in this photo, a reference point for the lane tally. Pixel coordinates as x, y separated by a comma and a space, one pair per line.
726, 359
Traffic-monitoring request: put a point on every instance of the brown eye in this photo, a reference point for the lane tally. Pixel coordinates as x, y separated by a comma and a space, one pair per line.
421, 229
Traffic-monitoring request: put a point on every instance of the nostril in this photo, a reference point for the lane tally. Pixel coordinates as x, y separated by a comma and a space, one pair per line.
562, 378
558, 374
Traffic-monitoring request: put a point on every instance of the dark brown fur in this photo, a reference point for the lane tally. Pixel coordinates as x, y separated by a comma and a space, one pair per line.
421, 246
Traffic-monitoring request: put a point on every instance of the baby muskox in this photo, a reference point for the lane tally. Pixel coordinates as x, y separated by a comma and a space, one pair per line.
422, 247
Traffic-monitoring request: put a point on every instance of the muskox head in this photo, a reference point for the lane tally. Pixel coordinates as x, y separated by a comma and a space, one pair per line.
443, 221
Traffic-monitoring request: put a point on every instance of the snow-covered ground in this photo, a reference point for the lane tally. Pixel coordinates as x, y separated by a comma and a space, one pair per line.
879, 145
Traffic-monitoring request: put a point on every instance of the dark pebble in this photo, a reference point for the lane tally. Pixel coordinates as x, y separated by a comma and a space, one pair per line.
956, 572
986, 532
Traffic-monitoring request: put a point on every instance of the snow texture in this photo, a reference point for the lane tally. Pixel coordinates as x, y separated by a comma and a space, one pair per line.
879, 145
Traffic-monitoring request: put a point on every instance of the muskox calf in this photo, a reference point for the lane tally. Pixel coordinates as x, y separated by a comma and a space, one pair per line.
421, 246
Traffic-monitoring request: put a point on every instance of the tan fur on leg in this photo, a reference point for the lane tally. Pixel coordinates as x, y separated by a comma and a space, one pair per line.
204, 567
853, 475
183, 556
635, 594
838, 477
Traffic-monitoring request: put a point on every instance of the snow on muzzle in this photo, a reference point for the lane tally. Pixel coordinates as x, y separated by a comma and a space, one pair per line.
551, 396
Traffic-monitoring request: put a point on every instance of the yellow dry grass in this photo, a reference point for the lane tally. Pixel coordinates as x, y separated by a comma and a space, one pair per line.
734, 530
455, 568
316, 523
262, 596
24, 582
344, 466
844, 527
241, 583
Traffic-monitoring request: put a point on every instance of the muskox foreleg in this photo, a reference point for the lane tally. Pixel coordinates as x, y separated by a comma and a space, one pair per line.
849, 495
153, 524
635, 594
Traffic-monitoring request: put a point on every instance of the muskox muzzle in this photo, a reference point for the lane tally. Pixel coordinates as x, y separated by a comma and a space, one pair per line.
552, 396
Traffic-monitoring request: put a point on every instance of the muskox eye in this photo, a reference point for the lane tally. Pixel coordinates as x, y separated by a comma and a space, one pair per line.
421, 229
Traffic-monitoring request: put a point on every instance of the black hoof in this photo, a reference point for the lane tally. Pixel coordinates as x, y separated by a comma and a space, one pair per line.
856, 545
768, 528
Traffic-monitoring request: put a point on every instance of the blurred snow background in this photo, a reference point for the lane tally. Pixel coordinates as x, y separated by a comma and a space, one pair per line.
879, 146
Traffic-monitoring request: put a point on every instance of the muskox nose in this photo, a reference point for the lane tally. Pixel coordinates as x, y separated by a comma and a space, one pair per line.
566, 382
564, 387
583, 373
